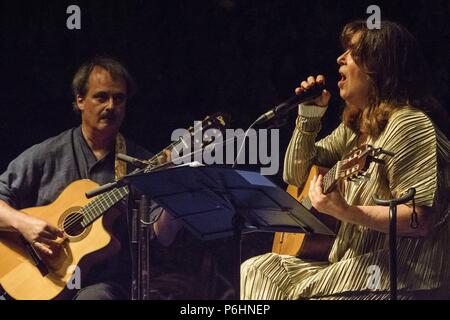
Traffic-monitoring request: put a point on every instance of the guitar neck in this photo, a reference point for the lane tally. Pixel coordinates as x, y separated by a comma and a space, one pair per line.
329, 179
101, 204
328, 183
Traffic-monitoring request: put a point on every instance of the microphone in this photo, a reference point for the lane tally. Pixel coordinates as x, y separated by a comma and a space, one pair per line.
291, 103
141, 164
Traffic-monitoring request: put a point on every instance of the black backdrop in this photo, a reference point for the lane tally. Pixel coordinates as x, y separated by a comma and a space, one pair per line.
189, 58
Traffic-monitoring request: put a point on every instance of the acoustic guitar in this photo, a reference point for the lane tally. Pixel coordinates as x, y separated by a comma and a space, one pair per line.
24, 274
316, 246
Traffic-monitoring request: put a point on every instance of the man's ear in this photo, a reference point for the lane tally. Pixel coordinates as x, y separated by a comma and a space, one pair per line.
80, 102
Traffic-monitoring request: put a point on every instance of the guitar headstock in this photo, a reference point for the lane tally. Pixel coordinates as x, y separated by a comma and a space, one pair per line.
216, 123
192, 140
355, 164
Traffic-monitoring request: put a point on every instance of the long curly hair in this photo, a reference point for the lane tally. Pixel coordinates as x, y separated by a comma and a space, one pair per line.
398, 76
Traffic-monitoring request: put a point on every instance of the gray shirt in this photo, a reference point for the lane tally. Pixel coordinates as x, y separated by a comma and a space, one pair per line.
38, 175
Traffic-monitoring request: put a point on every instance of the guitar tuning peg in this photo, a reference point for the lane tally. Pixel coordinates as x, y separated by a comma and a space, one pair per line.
387, 152
378, 160
377, 151
363, 177
356, 179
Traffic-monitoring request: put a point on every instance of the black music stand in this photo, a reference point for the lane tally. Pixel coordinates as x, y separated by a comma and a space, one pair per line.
217, 202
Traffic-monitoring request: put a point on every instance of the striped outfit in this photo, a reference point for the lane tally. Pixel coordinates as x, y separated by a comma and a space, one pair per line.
358, 266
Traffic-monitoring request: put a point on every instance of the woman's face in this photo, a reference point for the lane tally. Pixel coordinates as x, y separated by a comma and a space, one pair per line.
354, 84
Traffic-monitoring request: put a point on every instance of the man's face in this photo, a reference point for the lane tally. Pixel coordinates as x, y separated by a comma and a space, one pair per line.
354, 84
103, 106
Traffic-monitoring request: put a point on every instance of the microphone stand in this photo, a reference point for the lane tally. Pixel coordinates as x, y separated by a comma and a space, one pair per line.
140, 232
279, 112
143, 254
393, 235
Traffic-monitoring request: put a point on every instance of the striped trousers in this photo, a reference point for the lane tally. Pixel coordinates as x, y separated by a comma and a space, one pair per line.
276, 277
279, 277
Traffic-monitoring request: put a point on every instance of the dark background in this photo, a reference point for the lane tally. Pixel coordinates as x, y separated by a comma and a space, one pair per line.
189, 58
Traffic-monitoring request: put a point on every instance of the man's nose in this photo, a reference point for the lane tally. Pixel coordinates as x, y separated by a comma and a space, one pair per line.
110, 103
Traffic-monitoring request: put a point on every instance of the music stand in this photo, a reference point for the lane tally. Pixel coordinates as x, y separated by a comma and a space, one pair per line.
217, 202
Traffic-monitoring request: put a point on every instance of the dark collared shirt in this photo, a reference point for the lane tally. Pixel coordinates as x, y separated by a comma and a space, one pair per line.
38, 175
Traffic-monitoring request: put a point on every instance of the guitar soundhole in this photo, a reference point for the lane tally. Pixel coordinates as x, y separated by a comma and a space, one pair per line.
72, 224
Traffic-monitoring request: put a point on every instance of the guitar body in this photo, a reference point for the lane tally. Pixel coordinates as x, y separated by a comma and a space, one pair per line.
86, 242
306, 246
20, 277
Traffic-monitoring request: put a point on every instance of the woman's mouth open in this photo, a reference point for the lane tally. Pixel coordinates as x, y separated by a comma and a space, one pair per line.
342, 80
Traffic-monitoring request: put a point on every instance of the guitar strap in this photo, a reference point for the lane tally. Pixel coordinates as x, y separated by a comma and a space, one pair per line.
120, 167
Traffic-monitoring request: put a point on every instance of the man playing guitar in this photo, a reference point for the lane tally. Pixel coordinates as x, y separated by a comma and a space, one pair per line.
101, 88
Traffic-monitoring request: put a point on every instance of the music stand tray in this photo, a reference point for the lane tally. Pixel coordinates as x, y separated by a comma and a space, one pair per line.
217, 201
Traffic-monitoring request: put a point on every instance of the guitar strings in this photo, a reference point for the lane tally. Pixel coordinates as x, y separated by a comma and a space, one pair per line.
74, 219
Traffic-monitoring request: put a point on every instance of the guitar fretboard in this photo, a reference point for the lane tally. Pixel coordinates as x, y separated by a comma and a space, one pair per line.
94, 209
329, 179
328, 182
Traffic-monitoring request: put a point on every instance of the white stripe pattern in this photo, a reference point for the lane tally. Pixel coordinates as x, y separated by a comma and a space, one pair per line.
422, 161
